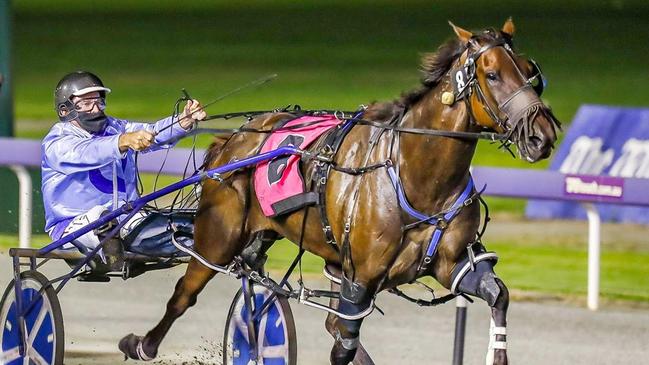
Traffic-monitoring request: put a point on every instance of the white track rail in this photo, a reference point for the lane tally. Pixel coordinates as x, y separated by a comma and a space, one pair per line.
24, 205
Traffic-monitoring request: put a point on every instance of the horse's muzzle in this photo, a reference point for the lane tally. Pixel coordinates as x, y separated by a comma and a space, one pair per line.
536, 148
533, 127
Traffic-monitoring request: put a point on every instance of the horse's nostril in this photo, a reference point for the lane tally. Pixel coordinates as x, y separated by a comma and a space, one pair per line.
536, 142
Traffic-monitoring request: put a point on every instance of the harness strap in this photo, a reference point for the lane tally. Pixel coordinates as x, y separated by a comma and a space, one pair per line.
346, 259
423, 303
332, 143
461, 201
441, 222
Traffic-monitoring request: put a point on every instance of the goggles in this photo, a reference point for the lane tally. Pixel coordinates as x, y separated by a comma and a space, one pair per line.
88, 104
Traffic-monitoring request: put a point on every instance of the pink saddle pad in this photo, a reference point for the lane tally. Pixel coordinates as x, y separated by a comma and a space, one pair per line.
279, 184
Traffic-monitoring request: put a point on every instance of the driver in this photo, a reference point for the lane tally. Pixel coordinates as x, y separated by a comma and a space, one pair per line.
88, 158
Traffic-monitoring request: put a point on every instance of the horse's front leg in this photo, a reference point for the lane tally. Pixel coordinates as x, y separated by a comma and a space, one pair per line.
497, 351
346, 334
483, 283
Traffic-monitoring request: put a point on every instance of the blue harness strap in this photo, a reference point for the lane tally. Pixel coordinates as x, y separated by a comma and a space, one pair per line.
434, 220
437, 235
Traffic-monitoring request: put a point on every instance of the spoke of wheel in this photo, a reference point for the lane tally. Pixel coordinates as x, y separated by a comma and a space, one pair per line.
36, 357
274, 352
277, 351
261, 336
241, 326
10, 355
37, 325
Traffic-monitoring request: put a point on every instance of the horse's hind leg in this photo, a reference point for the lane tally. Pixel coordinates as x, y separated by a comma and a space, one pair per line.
187, 289
354, 298
211, 222
483, 283
361, 357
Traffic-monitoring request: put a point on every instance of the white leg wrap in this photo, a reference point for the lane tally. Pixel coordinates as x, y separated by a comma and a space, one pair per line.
141, 354
493, 344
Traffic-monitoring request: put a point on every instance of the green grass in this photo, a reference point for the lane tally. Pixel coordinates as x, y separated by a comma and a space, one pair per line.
11, 240
555, 269
563, 270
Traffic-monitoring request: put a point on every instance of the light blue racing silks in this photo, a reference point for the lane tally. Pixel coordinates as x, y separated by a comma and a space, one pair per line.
77, 168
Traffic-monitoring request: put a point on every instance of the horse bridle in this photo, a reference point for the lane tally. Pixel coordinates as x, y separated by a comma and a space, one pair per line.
516, 105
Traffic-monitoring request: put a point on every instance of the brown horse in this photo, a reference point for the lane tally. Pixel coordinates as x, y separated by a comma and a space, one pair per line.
472, 83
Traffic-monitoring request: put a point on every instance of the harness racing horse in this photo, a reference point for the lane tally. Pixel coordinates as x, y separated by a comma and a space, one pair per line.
412, 156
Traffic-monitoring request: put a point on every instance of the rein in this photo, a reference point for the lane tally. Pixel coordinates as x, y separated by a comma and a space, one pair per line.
490, 136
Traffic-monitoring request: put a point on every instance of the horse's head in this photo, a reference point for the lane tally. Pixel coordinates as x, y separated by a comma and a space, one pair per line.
503, 89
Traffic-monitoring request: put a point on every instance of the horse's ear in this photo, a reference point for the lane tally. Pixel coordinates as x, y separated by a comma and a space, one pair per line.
463, 34
509, 27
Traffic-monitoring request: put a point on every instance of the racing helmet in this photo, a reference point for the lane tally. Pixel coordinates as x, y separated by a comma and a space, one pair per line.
75, 84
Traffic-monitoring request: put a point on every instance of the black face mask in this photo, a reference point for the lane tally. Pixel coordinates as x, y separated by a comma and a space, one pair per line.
92, 122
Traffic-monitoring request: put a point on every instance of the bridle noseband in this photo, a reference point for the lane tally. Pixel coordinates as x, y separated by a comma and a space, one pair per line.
515, 107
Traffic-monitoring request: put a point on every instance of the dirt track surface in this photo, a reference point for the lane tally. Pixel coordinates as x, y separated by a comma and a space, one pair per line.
97, 315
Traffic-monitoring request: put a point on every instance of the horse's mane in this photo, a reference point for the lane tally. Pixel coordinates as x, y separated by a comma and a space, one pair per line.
434, 67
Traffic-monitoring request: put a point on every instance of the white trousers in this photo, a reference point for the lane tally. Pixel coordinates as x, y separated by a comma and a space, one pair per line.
90, 239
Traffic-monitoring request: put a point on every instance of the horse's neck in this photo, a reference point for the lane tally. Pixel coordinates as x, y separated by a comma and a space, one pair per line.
432, 168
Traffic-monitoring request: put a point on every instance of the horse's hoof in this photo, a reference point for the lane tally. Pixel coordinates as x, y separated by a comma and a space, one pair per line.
131, 347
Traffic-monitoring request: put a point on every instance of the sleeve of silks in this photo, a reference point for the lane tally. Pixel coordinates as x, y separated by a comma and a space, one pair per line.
167, 132
68, 153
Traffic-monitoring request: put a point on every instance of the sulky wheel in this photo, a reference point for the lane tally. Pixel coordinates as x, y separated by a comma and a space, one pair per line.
275, 332
43, 323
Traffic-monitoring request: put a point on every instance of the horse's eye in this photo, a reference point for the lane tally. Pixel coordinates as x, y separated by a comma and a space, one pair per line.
492, 76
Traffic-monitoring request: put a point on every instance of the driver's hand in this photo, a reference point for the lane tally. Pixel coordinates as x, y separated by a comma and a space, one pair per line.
193, 112
136, 141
